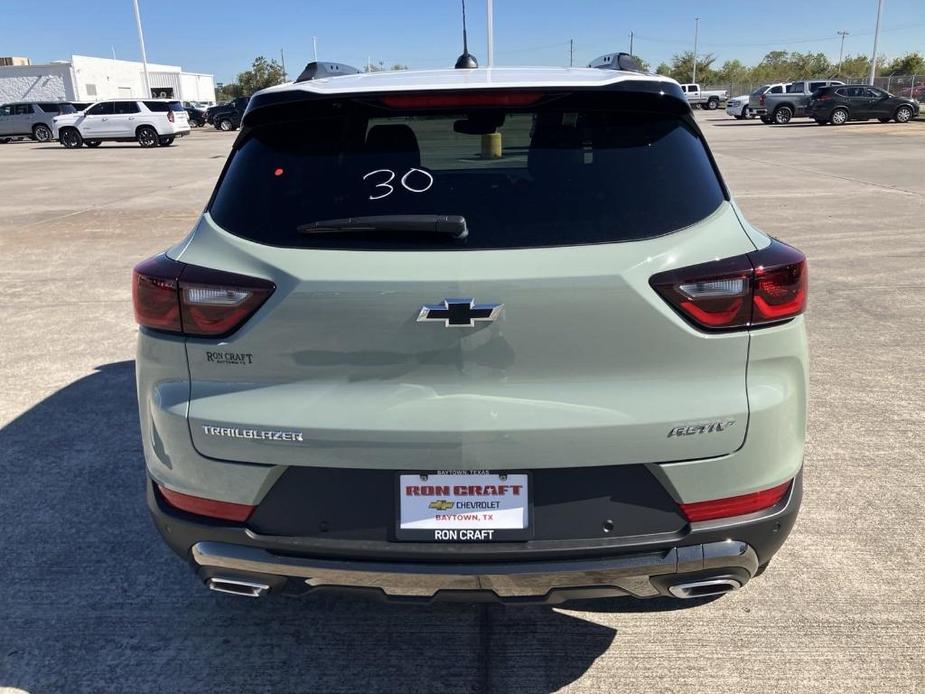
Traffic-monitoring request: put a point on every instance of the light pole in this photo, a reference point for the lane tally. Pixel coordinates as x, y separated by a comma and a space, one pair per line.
873, 58
841, 51
631, 44
490, 25
144, 56
696, 28
315, 48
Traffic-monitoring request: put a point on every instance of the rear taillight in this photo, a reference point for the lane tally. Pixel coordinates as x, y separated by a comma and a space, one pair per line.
192, 300
758, 288
170, 116
735, 505
761, 100
206, 507
823, 97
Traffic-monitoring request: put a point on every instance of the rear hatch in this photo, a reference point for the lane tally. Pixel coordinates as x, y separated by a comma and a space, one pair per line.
571, 202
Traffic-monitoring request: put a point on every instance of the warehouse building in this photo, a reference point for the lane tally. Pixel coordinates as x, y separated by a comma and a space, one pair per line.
83, 78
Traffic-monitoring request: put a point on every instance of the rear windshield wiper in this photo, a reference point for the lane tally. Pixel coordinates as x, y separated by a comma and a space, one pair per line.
452, 225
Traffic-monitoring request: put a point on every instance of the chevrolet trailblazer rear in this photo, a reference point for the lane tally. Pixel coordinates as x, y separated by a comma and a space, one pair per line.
480, 334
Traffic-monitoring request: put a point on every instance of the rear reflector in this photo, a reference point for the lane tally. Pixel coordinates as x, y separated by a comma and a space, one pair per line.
462, 99
192, 300
206, 507
758, 288
735, 505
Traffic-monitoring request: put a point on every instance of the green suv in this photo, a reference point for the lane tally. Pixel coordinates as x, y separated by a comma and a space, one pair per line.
491, 334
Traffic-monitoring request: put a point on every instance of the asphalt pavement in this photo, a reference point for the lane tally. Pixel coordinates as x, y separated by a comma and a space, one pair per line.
91, 600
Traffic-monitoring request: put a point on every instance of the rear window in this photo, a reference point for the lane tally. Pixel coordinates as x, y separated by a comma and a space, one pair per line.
551, 175
164, 106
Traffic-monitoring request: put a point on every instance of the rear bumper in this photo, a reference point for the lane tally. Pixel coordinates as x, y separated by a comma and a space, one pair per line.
729, 551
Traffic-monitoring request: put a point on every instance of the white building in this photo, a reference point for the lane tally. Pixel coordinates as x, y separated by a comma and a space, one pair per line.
83, 78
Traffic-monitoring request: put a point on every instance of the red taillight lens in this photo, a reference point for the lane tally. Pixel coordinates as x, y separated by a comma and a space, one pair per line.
735, 505
462, 99
170, 116
761, 100
758, 288
154, 293
206, 507
180, 298
823, 97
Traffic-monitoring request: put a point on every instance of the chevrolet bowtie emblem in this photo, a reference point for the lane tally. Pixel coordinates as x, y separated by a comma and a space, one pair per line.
441, 504
459, 313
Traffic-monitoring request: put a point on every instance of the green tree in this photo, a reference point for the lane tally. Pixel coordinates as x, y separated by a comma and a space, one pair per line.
733, 71
263, 73
663, 69
855, 67
909, 64
682, 67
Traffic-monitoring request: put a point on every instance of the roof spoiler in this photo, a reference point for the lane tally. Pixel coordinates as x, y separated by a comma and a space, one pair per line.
317, 71
617, 61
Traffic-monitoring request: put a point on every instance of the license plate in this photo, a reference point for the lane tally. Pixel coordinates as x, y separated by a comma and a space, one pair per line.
463, 507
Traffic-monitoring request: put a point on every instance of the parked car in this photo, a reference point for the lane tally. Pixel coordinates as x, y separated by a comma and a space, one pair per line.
838, 105
228, 116
780, 108
615, 406
196, 115
150, 122
696, 96
757, 98
30, 119
738, 108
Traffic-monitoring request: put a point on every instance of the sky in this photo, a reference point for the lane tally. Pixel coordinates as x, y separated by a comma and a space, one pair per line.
223, 38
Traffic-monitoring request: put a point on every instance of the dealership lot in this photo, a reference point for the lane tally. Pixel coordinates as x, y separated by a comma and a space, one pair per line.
92, 599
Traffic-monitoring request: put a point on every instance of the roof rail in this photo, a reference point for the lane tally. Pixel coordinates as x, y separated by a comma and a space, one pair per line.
317, 71
617, 61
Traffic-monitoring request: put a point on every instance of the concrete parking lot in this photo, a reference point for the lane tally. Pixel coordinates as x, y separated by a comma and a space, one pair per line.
91, 600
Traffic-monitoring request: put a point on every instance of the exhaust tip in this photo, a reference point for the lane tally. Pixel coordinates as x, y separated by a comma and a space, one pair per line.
703, 589
234, 586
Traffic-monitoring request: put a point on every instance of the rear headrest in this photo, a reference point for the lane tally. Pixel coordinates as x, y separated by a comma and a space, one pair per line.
398, 141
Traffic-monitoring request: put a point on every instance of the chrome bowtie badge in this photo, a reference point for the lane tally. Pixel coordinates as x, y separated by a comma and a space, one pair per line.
459, 313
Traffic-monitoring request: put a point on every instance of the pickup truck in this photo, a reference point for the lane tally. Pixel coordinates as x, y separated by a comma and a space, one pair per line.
705, 99
227, 116
780, 108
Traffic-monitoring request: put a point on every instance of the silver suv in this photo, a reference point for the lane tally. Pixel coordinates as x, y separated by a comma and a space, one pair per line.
31, 119
485, 334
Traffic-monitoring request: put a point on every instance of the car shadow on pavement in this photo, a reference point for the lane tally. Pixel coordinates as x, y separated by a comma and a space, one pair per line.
93, 600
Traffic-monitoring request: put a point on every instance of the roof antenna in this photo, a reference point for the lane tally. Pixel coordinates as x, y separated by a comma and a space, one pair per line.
466, 61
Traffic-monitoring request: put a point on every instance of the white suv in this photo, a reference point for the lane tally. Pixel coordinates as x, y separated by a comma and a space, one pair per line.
150, 122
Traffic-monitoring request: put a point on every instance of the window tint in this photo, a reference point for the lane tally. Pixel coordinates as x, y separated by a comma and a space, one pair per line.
813, 86
761, 90
795, 88
560, 175
176, 106
104, 108
6, 110
778, 89
873, 93
22, 109
123, 107
157, 106
841, 92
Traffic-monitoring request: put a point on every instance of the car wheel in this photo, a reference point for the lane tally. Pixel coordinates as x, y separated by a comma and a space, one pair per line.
166, 141
713, 104
70, 138
93, 143
903, 114
766, 120
147, 136
225, 124
41, 133
839, 116
5, 140
783, 115
745, 112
